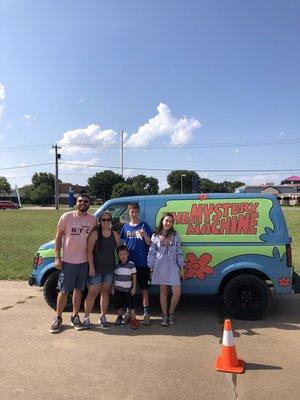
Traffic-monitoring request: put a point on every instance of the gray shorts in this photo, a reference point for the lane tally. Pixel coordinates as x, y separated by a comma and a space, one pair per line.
73, 276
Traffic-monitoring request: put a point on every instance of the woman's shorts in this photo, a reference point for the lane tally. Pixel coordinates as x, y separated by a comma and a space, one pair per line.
124, 300
100, 278
143, 277
72, 276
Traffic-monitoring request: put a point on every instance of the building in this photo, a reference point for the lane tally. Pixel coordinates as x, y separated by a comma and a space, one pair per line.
67, 189
287, 193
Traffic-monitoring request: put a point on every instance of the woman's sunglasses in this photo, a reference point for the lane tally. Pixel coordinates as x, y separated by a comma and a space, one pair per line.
105, 219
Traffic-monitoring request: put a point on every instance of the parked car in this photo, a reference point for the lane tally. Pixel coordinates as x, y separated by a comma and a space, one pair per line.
235, 245
8, 205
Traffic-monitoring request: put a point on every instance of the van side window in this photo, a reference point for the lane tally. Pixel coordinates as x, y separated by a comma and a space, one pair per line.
119, 214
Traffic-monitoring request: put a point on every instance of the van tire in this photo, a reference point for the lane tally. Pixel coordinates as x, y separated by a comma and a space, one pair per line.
246, 297
51, 291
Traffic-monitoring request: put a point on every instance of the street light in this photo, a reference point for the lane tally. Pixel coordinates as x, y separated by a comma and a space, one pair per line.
181, 182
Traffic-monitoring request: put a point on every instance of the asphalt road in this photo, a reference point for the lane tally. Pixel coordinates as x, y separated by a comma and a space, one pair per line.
150, 363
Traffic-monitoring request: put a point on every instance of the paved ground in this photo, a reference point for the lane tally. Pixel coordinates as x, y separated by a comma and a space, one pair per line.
151, 363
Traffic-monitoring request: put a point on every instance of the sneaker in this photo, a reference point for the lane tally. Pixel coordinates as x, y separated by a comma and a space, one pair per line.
75, 321
119, 320
56, 325
171, 319
134, 323
146, 319
164, 320
103, 322
87, 323
127, 318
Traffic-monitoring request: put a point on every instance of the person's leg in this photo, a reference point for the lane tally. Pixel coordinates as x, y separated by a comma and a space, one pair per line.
77, 296
104, 298
164, 299
61, 303
90, 298
176, 291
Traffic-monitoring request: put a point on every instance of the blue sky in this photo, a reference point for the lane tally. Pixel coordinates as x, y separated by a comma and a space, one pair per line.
212, 86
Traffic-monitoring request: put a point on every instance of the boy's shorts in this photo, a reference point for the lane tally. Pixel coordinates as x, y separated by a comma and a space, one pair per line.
100, 278
124, 300
73, 276
143, 277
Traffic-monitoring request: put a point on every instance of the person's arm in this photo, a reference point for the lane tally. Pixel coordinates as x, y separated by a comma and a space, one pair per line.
133, 290
117, 239
179, 257
57, 248
146, 233
112, 289
90, 247
151, 258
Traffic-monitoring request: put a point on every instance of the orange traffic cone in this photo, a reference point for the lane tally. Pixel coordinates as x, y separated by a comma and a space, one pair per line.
228, 361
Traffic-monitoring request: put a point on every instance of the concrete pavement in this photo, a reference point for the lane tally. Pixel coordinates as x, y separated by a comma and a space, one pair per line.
151, 363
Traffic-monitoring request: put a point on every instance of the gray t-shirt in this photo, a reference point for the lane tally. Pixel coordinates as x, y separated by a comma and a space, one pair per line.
123, 276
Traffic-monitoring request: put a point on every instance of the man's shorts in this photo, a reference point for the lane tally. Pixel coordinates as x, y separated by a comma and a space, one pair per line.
100, 278
73, 276
124, 300
143, 277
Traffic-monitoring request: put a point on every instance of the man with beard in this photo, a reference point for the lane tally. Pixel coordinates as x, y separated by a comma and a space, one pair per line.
72, 232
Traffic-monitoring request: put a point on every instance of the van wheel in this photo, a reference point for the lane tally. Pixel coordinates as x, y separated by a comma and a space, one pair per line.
247, 297
51, 291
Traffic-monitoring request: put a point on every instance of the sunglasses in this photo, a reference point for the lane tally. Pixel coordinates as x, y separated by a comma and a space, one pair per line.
83, 201
105, 219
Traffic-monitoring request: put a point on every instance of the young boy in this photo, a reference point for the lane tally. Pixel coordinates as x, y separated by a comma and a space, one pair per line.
124, 287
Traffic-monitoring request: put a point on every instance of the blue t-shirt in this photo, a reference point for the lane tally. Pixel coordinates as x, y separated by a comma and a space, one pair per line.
138, 249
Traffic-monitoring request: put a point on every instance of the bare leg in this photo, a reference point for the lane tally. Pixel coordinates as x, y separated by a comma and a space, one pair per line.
176, 291
90, 299
145, 296
164, 299
77, 296
61, 302
104, 298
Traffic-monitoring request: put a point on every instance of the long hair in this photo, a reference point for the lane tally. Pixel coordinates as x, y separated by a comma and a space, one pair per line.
99, 230
159, 229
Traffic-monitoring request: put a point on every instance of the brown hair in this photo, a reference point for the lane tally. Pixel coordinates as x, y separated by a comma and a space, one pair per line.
159, 229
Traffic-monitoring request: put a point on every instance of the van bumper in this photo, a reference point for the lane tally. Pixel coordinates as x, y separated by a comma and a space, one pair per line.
31, 280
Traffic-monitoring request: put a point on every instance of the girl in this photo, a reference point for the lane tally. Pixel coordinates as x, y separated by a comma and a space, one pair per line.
166, 261
101, 246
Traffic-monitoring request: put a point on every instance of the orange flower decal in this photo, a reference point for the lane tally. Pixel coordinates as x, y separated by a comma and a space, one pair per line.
202, 196
198, 266
284, 282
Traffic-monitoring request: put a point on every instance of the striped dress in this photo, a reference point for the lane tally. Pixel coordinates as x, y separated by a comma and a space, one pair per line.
165, 257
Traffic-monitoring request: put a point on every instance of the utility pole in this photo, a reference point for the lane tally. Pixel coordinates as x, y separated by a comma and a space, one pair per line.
57, 157
122, 152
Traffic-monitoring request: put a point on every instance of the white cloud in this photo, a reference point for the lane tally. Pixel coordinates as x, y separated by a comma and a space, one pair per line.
164, 123
280, 134
79, 165
260, 179
2, 98
28, 119
79, 100
87, 140
235, 151
2, 136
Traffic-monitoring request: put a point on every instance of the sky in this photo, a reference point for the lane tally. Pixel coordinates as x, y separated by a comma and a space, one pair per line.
211, 86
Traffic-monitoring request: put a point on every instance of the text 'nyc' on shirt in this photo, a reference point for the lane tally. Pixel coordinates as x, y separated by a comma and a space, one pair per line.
76, 231
138, 250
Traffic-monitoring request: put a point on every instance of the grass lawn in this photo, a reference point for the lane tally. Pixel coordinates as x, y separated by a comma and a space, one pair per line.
22, 231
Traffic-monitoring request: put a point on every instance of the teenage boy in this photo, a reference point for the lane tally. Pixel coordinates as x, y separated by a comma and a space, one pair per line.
137, 237
72, 232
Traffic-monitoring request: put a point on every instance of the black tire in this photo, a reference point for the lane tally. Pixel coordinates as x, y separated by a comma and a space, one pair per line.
246, 297
51, 291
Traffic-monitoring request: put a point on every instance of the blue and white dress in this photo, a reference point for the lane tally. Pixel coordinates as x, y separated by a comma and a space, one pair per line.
165, 257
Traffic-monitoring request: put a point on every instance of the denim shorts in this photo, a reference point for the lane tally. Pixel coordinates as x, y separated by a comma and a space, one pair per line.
72, 276
100, 278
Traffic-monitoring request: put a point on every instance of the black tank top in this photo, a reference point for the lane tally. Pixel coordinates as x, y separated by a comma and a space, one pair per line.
104, 254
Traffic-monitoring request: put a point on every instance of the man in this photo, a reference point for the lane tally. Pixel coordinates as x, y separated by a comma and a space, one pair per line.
137, 237
72, 231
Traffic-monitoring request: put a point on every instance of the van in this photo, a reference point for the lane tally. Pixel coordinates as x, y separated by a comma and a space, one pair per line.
8, 205
235, 245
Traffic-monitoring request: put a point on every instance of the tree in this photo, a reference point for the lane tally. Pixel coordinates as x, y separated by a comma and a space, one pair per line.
42, 194
43, 178
207, 186
189, 180
4, 185
102, 183
143, 184
123, 189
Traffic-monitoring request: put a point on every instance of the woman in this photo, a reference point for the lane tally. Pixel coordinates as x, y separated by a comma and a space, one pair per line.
101, 246
166, 261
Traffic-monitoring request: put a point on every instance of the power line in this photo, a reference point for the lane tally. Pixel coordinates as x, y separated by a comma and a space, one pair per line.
26, 166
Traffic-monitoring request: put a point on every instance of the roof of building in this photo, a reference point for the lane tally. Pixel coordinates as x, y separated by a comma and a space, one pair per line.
292, 178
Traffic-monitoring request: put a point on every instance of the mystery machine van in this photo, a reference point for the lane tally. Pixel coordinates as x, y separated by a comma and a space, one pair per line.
235, 245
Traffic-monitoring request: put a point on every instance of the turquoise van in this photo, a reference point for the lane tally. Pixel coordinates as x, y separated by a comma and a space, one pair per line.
235, 245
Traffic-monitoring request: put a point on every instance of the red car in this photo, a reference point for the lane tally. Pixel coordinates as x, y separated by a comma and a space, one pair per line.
8, 205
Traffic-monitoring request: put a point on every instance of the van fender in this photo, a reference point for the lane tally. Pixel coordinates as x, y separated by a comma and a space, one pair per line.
43, 274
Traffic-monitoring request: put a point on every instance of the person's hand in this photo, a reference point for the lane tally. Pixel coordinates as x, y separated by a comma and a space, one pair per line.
182, 271
142, 232
92, 271
112, 290
58, 263
133, 291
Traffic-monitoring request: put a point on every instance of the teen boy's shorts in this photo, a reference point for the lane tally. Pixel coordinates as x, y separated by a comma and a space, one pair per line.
143, 277
124, 300
73, 276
